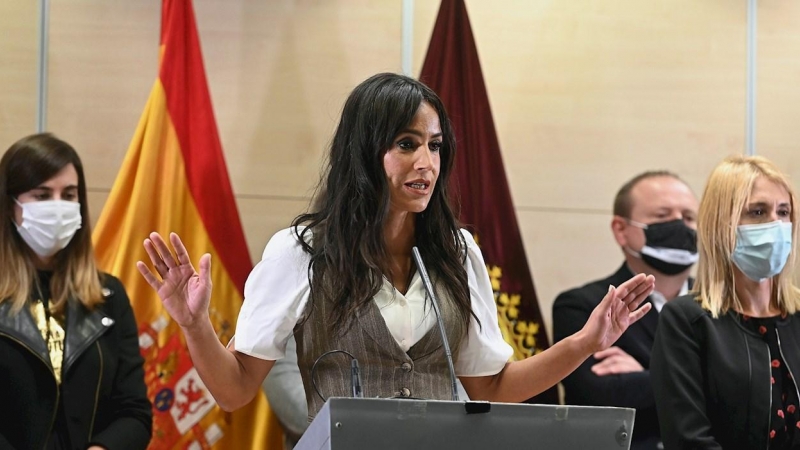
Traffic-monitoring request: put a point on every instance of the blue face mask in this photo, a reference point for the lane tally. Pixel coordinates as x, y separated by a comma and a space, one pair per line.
762, 249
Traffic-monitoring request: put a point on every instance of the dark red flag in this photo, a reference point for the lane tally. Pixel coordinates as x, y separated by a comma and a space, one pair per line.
453, 70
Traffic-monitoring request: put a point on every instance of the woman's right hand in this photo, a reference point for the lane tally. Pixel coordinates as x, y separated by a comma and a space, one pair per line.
184, 293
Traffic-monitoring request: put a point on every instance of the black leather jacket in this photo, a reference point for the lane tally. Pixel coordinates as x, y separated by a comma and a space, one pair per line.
712, 377
102, 390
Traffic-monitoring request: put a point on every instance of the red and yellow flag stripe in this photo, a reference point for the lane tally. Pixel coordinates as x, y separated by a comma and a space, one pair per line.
174, 178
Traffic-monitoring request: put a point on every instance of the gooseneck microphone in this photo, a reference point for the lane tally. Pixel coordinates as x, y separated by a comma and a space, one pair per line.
429, 288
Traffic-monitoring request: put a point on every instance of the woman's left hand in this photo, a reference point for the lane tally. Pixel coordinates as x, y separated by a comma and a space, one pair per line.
616, 312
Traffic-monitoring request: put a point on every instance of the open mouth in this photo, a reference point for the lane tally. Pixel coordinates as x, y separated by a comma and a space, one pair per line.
419, 185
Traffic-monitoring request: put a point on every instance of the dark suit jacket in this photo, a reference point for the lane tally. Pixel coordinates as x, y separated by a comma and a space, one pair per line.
571, 310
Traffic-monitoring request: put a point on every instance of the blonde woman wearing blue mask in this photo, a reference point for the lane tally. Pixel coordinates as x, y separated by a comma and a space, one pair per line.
726, 357
70, 368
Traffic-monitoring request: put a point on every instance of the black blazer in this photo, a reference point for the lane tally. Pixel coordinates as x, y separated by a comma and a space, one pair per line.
571, 310
102, 390
711, 377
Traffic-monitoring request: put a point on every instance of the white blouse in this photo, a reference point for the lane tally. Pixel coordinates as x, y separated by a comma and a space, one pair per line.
277, 290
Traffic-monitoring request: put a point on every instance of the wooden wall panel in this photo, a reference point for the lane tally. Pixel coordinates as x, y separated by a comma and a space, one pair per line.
19, 46
778, 85
103, 62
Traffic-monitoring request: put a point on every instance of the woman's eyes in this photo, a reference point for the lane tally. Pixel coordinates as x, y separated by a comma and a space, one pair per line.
406, 144
755, 212
68, 196
758, 212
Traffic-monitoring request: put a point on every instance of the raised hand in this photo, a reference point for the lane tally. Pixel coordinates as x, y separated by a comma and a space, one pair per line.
618, 310
615, 360
184, 293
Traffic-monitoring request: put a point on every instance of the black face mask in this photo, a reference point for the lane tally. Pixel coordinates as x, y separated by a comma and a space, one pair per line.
669, 247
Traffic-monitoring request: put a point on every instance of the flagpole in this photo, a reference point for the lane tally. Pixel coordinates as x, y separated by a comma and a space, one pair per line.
750, 133
407, 37
44, 33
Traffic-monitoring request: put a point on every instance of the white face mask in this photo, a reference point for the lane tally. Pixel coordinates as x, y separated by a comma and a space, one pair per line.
49, 225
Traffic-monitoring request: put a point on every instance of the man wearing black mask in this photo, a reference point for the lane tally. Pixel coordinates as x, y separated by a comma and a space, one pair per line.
654, 224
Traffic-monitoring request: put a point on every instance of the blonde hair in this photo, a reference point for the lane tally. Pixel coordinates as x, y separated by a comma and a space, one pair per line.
29, 162
726, 194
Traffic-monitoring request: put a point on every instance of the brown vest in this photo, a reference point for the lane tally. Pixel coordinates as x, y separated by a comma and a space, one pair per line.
386, 370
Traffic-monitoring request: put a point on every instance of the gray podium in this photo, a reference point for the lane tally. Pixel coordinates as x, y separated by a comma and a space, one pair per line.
364, 423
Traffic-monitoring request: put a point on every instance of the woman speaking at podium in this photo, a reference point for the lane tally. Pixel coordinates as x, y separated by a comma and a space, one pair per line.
342, 277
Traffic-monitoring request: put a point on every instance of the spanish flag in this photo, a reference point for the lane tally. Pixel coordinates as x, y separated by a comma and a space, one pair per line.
174, 178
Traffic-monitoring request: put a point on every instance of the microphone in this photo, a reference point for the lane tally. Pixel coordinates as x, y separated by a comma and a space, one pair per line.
355, 374
355, 379
429, 288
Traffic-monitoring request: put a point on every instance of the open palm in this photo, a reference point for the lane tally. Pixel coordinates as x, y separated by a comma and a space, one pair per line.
618, 310
184, 292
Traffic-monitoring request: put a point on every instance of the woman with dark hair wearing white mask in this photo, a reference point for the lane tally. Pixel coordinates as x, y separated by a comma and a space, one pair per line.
70, 366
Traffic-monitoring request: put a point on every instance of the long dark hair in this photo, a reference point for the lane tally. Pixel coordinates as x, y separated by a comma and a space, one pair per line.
27, 164
347, 247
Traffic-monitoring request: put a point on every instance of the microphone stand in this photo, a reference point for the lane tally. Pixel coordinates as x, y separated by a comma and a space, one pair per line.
429, 288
